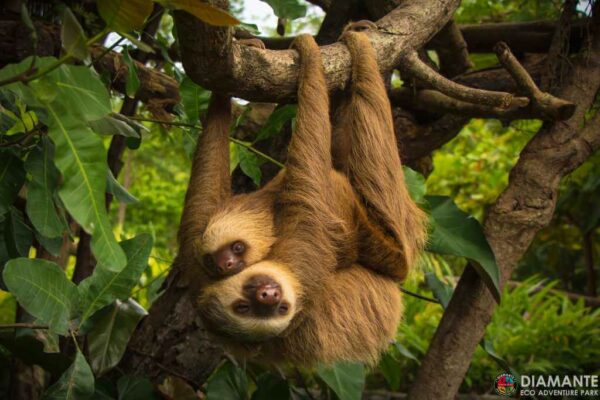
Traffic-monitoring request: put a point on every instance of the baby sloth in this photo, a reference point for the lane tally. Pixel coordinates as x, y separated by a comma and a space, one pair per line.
305, 270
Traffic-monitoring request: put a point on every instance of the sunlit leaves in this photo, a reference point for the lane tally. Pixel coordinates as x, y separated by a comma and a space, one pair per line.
457, 233
125, 15
108, 339
104, 286
73, 37
347, 380
229, 382
203, 11
77, 383
43, 289
289, 9
81, 158
249, 164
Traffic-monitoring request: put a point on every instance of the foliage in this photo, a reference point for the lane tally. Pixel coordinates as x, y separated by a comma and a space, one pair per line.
55, 125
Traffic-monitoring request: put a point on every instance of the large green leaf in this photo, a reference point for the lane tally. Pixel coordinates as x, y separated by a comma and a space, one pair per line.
12, 176
80, 91
290, 9
346, 379
415, 182
108, 339
441, 290
194, 99
456, 233
77, 383
17, 234
44, 180
103, 286
249, 164
110, 125
135, 388
43, 289
73, 37
116, 189
203, 11
125, 15
81, 158
270, 386
229, 382
276, 121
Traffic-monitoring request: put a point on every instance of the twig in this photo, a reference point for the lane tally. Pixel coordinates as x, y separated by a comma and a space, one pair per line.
418, 296
417, 68
232, 139
544, 102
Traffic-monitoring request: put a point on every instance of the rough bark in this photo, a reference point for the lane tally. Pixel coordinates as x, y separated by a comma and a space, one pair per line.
212, 60
521, 211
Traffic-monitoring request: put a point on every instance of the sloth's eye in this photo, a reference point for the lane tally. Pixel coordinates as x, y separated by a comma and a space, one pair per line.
241, 307
238, 247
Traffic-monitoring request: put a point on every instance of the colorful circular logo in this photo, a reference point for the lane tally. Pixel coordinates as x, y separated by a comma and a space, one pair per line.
505, 385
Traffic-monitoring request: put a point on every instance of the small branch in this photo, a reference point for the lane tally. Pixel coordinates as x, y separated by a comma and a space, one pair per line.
545, 103
418, 69
231, 139
23, 325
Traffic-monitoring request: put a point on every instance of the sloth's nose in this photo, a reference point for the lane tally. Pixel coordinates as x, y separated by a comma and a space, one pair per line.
268, 295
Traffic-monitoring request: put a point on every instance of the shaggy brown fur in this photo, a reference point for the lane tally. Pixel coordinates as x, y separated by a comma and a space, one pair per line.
325, 226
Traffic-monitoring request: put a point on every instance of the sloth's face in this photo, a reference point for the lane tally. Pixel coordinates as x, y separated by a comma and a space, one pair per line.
256, 304
235, 239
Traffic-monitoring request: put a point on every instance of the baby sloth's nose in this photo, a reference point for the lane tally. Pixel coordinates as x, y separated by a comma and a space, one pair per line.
268, 294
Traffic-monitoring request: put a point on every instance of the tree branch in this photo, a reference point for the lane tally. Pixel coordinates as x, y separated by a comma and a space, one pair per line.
524, 207
212, 60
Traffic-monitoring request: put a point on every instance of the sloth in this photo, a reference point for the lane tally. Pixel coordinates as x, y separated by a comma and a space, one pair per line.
305, 270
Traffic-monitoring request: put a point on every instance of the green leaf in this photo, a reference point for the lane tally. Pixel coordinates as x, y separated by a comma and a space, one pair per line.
116, 189
229, 382
77, 89
81, 158
12, 176
270, 386
125, 16
103, 286
132, 84
108, 339
405, 352
415, 183
76, 383
135, 388
250, 164
276, 121
203, 11
52, 245
442, 291
110, 125
17, 234
290, 9
456, 233
389, 368
194, 98
43, 289
73, 37
40, 191
346, 379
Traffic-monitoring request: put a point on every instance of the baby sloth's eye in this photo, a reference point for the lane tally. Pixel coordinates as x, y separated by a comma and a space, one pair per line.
238, 247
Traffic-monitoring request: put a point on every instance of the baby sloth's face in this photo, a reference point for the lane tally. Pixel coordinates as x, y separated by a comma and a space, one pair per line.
256, 304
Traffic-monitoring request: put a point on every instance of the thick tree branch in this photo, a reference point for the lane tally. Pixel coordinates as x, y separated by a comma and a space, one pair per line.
524, 207
212, 60
415, 67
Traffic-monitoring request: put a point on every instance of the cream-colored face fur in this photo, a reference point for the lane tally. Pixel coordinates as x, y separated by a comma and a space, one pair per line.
254, 227
228, 291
